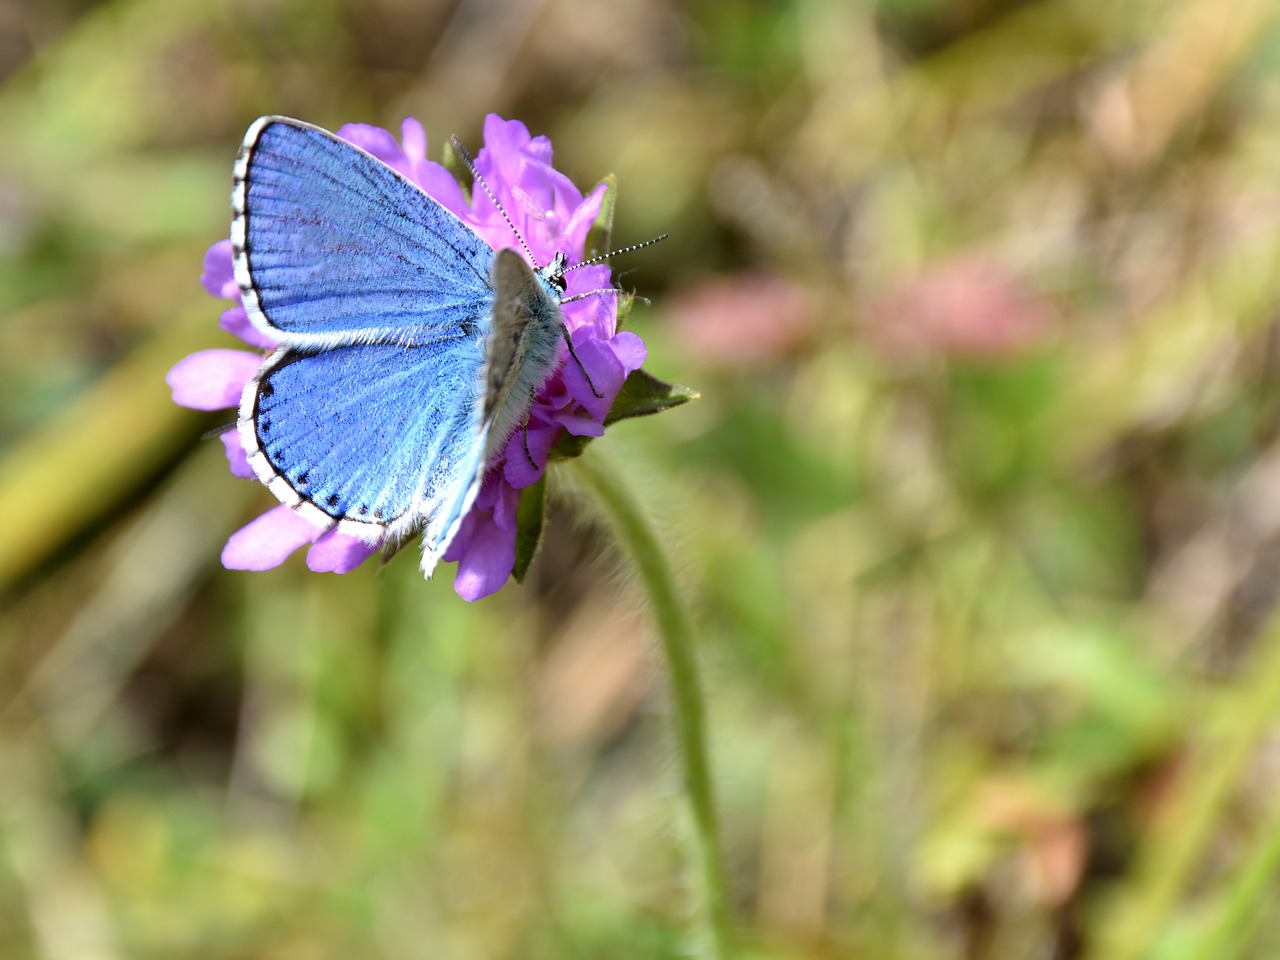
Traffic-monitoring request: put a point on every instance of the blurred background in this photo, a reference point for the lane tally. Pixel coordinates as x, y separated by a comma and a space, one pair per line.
979, 511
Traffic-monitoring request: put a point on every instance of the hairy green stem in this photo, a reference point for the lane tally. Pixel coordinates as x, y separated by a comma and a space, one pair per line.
633, 529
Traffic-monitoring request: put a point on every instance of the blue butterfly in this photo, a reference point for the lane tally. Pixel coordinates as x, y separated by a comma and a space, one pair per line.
409, 350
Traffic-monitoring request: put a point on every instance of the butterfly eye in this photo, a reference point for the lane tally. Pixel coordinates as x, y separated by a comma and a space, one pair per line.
557, 281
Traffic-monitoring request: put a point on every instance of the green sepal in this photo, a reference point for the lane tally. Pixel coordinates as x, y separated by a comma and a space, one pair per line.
568, 447
531, 515
601, 233
642, 395
625, 302
452, 161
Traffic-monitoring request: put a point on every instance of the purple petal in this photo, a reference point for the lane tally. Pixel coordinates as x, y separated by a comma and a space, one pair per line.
338, 553
236, 322
413, 139
580, 424
584, 218
505, 140
462, 539
437, 182
409, 160
629, 349
265, 542
526, 203
506, 500
537, 148
589, 279
523, 160
553, 397
517, 470
219, 274
433, 178
212, 379
488, 561
601, 365
540, 199
376, 141
236, 458
599, 312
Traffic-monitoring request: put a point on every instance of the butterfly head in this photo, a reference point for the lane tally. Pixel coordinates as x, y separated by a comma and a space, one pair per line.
553, 272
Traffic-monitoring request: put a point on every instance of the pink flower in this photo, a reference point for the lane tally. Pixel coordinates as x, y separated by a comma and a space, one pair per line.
968, 306
749, 319
552, 216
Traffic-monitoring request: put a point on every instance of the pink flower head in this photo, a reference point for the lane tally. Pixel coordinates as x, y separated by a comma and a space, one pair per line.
749, 319
552, 216
970, 305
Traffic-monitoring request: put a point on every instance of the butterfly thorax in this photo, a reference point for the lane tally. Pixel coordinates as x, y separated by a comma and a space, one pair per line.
521, 352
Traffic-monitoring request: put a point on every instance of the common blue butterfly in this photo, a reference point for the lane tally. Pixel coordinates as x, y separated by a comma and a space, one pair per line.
408, 349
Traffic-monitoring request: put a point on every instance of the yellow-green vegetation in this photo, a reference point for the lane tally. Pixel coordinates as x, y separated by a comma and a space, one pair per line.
978, 514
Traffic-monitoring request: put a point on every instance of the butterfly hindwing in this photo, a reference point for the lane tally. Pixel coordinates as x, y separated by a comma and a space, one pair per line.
358, 436
332, 246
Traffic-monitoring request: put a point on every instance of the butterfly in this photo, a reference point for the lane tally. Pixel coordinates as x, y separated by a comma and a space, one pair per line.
409, 350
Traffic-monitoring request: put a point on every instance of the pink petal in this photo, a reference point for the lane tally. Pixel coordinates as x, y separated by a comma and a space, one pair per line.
265, 542
212, 379
338, 553
236, 322
219, 274
748, 319
236, 458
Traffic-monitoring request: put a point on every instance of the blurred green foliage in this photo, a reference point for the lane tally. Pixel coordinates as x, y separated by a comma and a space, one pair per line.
979, 510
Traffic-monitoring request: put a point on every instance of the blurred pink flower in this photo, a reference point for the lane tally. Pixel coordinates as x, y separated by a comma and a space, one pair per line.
746, 319
553, 216
967, 306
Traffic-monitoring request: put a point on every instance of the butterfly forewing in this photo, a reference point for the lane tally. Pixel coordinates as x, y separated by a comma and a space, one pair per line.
332, 246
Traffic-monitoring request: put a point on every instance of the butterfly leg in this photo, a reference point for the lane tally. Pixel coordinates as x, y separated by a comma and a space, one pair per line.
573, 353
524, 430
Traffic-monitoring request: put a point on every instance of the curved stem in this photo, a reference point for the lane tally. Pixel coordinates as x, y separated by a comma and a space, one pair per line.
673, 622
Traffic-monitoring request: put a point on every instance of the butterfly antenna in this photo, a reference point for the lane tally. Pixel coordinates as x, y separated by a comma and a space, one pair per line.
466, 158
614, 290
218, 431
593, 293
614, 253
